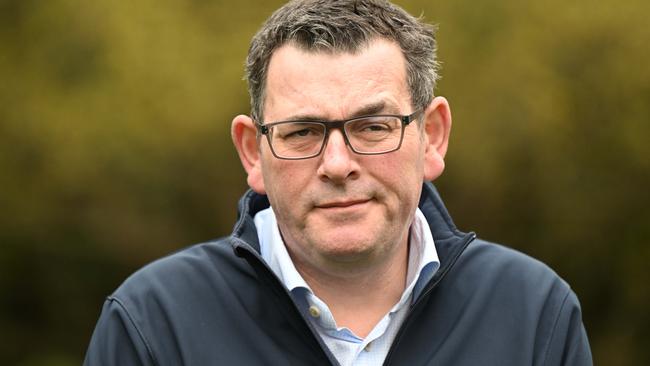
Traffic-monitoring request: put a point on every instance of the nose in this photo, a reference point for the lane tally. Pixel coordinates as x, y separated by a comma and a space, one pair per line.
337, 163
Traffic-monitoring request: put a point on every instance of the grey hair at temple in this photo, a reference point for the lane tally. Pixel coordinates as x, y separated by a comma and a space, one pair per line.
344, 26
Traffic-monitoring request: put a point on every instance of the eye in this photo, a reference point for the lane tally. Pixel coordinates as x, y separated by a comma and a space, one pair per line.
373, 125
298, 130
301, 133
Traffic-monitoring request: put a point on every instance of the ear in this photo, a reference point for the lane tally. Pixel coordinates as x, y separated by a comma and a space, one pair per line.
437, 126
244, 136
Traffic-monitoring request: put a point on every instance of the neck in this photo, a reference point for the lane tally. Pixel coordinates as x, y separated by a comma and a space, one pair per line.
360, 298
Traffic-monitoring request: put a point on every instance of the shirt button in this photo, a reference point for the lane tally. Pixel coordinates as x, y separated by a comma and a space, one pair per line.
368, 347
314, 311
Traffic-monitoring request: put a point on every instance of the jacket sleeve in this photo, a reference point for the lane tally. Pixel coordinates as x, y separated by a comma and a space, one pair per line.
117, 340
569, 344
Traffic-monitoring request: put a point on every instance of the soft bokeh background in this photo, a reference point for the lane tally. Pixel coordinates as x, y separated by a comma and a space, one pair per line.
115, 149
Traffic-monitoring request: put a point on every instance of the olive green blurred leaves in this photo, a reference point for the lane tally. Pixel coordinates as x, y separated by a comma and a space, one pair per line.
115, 149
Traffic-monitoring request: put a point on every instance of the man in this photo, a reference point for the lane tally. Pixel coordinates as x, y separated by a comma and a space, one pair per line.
343, 253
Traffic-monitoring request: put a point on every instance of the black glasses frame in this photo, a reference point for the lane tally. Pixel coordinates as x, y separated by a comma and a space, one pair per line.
264, 129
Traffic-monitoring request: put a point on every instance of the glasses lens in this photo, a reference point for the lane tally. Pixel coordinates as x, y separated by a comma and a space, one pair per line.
374, 134
297, 139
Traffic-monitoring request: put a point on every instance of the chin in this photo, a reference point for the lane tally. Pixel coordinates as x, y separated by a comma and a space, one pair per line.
346, 251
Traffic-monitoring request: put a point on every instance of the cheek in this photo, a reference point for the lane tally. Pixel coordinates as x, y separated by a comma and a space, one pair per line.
405, 169
403, 177
286, 187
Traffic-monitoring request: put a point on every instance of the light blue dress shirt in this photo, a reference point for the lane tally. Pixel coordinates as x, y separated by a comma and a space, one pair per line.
348, 348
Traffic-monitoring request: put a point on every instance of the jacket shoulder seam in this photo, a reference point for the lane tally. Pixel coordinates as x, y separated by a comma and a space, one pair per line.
135, 326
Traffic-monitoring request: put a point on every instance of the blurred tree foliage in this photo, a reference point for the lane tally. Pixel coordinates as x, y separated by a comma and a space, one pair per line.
115, 149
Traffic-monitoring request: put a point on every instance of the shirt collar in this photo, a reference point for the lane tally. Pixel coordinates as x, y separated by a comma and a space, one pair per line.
423, 257
274, 251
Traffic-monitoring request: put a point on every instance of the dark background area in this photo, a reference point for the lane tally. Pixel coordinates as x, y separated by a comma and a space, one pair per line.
115, 149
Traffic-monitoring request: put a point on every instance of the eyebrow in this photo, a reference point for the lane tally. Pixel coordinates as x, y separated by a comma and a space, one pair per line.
373, 108
367, 110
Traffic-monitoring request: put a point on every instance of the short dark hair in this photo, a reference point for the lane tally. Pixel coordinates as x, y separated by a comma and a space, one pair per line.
344, 26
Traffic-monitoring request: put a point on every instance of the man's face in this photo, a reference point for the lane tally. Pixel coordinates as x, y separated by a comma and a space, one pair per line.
341, 209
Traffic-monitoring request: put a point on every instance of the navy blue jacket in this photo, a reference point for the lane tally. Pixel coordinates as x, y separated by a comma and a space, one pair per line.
218, 303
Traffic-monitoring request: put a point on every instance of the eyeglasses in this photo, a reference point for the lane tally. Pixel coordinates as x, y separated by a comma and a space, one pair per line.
367, 135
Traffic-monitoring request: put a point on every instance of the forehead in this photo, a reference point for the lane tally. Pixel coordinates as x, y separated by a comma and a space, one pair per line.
335, 85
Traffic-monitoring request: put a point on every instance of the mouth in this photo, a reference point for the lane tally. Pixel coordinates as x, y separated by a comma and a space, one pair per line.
342, 204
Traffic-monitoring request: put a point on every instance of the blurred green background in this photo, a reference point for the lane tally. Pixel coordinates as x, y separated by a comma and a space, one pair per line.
115, 149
